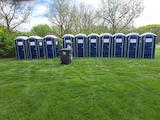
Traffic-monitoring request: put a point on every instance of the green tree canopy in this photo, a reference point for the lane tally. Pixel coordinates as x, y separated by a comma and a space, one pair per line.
41, 30
7, 42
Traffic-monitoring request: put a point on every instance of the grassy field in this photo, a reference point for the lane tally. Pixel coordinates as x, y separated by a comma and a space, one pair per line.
88, 89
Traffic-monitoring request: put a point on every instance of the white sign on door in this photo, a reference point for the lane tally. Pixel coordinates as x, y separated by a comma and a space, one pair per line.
40, 43
32, 43
133, 41
49, 42
93, 40
56, 42
80, 41
68, 41
119, 40
148, 40
20, 43
106, 40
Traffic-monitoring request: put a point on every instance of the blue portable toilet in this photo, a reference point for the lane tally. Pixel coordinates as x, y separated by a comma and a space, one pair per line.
118, 46
148, 45
21, 47
51, 46
105, 48
68, 42
93, 45
132, 45
80, 45
33, 46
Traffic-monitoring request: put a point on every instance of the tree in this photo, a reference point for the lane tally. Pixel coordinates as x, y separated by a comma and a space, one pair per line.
13, 14
59, 14
7, 43
119, 14
86, 17
41, 30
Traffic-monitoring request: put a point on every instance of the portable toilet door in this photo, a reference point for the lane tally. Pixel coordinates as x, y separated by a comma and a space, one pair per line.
41, 48
80, 43
148, 45
118, 45
68, 42
105, 45
93, 45
33, 46
21, 47
132, 45
51, 46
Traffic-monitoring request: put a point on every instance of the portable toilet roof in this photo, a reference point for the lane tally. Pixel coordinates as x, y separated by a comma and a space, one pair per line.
106, 34
68, 35
51, 36
148, 33
130, 34
22, 37
93, 34
35, 37
80, 34
119, 34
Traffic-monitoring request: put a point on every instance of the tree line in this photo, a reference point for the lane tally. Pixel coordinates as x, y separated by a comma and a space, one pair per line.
67, 16
110, 16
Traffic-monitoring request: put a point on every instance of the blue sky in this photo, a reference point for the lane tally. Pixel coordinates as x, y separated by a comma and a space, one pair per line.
39, 9
150, 14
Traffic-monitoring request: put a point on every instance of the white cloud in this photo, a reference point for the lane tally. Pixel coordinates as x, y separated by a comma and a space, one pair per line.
33, 22
36, 18
93, 3
150, 14
39, 10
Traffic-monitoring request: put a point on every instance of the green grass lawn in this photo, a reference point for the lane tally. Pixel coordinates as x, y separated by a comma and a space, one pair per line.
88, 89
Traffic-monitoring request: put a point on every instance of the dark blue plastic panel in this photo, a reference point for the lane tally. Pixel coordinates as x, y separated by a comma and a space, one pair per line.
119, 46
105, 46
132, 46
21, 49
33, 48
148, 46
93, 46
